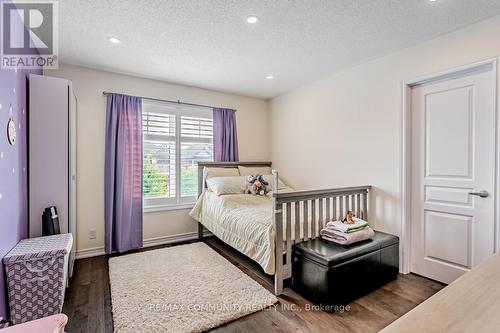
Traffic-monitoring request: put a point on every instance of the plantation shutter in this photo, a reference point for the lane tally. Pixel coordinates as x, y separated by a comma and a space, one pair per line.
175, 138
196, 145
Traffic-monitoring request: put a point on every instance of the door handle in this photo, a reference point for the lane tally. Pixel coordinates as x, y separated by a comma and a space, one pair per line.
482, 194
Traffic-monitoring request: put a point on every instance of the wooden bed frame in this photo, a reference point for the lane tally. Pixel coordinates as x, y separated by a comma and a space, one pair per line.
313, 208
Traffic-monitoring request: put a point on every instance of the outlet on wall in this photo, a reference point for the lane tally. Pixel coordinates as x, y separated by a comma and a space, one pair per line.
92, 234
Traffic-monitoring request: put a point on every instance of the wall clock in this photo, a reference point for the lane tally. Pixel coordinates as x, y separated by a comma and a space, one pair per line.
11, 131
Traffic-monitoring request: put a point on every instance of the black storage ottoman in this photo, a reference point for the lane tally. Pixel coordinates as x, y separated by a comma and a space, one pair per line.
330, 275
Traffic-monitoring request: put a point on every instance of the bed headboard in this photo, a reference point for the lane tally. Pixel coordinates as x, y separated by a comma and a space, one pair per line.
201, 182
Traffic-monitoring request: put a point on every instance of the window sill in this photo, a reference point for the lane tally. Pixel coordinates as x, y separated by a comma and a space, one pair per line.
161, 208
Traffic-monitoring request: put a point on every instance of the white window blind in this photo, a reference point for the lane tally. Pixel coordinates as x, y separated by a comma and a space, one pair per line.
175, 138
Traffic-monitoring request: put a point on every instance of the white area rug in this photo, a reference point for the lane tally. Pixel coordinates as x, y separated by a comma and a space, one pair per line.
185, 288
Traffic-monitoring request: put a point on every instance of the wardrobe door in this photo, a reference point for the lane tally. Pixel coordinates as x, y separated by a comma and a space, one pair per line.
48, 150
72, 169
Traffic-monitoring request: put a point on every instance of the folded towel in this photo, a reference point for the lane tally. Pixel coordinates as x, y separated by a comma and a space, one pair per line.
343, 238
347, 228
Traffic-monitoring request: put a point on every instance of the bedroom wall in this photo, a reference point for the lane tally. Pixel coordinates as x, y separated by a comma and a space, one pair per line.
89, 85
344, 130
13, 167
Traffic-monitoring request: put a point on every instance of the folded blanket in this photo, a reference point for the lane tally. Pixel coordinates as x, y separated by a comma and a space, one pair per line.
347, 228
347, 238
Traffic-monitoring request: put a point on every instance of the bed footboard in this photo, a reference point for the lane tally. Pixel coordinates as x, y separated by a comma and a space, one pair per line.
300, 215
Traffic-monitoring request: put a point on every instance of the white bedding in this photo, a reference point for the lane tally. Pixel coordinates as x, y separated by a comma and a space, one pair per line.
243, 221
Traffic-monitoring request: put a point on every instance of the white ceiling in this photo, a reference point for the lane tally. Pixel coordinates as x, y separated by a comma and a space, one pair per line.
207, 43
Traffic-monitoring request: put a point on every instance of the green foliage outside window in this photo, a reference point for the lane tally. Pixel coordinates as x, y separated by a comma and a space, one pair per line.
189, 181
155, 183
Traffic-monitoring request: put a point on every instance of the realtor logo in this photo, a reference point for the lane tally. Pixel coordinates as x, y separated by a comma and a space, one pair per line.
29, 34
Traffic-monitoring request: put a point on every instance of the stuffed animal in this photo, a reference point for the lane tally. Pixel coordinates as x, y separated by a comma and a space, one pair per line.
349, 218
257, 185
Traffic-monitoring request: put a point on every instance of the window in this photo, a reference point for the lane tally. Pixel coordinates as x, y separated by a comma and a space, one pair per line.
175, 138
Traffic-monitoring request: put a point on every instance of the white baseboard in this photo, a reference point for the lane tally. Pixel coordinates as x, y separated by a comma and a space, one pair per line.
91, 252
174, 238
99, 251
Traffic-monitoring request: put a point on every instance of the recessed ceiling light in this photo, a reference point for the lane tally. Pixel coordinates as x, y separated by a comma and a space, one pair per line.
269, 77
252, 19
114, 40
432, 0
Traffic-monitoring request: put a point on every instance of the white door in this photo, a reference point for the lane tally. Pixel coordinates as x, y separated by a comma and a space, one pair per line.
453, 172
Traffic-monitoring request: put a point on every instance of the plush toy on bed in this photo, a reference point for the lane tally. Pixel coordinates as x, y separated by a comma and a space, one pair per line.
349, 218
257, 185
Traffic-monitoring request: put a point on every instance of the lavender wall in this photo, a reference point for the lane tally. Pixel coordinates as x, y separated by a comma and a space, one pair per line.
13, 164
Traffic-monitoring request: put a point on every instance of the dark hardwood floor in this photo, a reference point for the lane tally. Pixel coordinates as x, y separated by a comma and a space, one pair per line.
88, 302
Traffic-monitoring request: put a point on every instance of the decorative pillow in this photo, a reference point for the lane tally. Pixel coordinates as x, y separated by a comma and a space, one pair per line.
227, 185
220, 172
251, 171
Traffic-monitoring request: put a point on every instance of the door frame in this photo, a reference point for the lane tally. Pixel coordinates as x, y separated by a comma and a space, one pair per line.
406, 151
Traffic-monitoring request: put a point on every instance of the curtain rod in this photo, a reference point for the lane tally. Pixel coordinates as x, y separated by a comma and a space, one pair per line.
168, 101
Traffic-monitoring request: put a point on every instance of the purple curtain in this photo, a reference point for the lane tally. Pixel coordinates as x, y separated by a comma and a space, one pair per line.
225, 137
123, 174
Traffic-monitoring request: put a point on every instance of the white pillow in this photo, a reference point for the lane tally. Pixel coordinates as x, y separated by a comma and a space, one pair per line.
281, 184
220, 172
251, 171
227, 185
